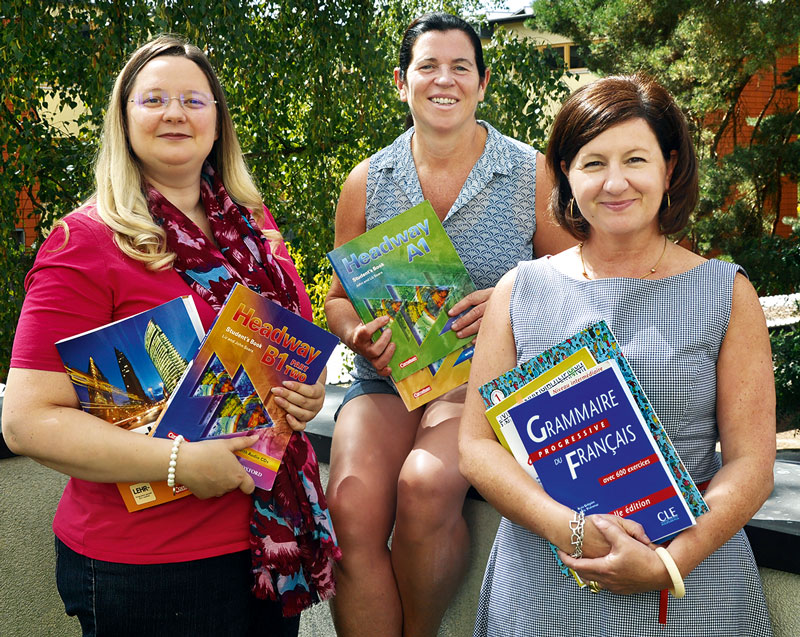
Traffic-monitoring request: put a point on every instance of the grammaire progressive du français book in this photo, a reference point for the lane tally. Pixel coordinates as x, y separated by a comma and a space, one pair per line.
576, 418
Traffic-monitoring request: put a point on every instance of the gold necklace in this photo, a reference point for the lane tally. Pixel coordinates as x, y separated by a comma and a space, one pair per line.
644, 276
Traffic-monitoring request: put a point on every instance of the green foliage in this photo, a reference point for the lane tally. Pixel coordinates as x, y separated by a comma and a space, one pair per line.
705, 52
772, 262
11, 290
309, 85
786, 357
522, 84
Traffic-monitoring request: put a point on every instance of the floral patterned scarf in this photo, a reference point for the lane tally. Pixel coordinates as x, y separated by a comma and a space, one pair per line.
292, 542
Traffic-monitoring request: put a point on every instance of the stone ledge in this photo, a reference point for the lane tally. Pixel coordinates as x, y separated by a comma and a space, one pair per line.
774, 531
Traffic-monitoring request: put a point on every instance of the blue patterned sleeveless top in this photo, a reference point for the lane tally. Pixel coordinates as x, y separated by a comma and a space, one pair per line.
492, 221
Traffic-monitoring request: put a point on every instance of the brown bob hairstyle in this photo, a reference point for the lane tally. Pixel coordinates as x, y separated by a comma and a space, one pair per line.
596, 107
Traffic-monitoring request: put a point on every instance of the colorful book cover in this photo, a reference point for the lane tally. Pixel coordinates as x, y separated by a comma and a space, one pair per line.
508, 432
601, 344
407, 268
124, 373
567, 369
254, 345
593, 452
436, 379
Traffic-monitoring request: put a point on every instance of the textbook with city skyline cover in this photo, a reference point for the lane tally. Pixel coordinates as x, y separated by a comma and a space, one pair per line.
254, 345
407, 268
125, 371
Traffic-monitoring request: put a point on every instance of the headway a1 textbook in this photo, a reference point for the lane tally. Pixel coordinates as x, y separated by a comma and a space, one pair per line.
407, 268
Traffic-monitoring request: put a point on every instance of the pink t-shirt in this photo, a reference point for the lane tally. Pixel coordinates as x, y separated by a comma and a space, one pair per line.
83, 284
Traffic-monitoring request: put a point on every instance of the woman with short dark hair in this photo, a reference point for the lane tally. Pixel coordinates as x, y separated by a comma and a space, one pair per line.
596, 107
627, 176
391, 467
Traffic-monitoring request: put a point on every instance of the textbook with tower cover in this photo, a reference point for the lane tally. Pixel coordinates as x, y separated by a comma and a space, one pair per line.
124, 373
407, 268
577, 420
254, 345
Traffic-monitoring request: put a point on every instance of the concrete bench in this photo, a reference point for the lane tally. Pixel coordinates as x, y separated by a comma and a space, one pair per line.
30, 606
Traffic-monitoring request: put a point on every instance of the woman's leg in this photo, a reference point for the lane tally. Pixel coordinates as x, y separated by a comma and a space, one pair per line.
430, 547
202, 598
373, 435
267, 620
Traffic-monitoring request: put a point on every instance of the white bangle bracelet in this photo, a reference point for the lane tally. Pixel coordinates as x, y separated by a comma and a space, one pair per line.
173, 462
678, 590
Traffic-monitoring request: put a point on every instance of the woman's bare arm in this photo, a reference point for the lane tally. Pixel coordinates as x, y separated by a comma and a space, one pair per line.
42, 419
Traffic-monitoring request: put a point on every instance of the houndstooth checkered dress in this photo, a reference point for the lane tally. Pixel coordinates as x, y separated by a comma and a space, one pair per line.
671, 331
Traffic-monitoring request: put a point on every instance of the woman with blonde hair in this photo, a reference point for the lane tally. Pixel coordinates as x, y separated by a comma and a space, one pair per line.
175, 213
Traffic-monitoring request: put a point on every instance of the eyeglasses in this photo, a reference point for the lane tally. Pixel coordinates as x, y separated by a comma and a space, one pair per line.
158, 100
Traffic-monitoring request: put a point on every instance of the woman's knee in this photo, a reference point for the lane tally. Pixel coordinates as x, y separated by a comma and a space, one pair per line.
430, 494
360, 515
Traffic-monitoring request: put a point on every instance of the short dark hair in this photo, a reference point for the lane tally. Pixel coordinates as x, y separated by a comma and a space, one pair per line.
438, 21
596, 107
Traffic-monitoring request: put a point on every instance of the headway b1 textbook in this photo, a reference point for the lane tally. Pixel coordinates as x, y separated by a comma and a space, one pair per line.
407, 268
125, 371
254, 345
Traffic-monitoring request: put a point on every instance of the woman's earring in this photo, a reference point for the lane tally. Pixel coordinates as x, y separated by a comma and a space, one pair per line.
570, 212
668, 201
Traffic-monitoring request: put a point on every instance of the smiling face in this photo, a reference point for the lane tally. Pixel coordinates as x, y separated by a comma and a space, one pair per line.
171, 143
442, 85
619, 179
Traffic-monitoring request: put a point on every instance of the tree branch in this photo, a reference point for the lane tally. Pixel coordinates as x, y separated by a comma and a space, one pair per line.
735, 95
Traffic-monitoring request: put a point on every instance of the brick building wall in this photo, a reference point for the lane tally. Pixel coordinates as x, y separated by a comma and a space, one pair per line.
755, 95
26, 222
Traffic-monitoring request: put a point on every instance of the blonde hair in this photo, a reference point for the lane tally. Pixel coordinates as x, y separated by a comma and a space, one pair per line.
119, 195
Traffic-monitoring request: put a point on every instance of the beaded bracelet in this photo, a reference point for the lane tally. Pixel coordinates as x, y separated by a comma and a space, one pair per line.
576, 526
678, 590
173, 462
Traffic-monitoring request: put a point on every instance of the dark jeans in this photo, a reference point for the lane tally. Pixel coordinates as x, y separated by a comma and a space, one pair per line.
209, 597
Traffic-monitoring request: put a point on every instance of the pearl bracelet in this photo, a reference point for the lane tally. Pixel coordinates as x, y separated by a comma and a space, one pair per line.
678, 590
173, 462
576, 526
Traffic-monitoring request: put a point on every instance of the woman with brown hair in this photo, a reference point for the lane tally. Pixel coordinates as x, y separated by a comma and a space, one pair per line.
626, 178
